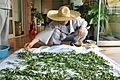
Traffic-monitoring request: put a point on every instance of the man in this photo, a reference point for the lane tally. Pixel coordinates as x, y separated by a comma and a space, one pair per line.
4, 21
66, 24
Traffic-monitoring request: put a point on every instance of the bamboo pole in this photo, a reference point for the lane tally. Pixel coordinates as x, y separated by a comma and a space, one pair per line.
98, 26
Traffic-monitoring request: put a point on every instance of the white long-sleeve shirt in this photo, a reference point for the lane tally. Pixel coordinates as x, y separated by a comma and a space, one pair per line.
61, 31
4, 4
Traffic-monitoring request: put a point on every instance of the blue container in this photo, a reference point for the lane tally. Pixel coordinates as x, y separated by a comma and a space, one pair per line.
3, 51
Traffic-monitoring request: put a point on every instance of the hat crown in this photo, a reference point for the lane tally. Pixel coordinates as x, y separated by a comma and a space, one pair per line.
64, 12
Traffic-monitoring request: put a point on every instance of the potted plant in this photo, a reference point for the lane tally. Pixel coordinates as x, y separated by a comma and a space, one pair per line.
40, 18
90, 13
37, 16
103, 16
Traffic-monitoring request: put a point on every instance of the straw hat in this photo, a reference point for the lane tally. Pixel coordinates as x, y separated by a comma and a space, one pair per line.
63, 14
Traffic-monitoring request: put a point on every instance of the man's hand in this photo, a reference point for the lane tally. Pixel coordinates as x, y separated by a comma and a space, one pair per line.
82, 31
30, 45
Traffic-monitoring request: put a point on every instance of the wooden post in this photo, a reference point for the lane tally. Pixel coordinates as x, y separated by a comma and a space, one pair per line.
26, 16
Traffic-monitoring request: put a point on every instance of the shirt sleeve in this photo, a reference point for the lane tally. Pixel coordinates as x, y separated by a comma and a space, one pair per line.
78, 22
51, 25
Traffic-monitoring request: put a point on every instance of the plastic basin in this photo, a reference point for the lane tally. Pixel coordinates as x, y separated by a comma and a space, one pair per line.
3, 51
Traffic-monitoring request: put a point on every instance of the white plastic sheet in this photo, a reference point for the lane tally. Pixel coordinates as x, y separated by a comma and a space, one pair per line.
61, 48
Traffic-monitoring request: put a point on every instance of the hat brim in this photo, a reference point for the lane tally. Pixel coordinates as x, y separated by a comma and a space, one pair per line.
53, 15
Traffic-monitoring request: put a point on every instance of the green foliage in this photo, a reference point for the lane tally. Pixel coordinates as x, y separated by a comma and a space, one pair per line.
37, 14
90, 13
59, 66
93, 12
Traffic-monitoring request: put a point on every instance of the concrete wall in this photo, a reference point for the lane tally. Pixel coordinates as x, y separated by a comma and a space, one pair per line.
17, 10
46, 6
115, 23
37, 4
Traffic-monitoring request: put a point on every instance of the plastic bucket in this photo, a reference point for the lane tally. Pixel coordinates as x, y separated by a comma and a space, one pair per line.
3, 51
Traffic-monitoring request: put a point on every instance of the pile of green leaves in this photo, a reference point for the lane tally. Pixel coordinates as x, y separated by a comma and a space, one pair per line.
59, 66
